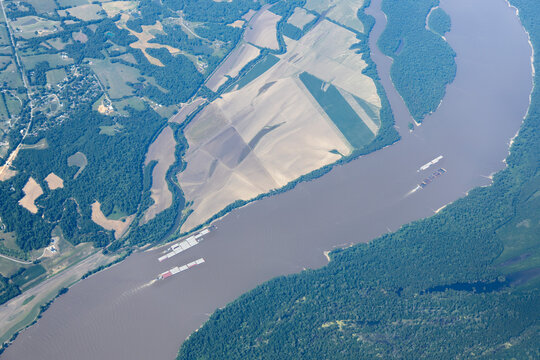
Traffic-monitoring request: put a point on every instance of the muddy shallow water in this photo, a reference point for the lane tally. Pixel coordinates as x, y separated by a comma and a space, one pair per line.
118, 314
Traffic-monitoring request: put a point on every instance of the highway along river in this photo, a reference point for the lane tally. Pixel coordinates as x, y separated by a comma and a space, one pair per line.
117, 314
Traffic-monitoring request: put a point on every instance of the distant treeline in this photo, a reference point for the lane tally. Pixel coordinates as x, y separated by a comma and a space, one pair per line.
374, 300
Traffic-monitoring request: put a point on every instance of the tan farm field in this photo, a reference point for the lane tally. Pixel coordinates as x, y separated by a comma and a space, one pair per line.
118, 226
32, 191
272, 131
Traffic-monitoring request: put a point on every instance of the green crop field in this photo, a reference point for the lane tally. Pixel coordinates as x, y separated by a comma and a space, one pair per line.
339, 111
260, 68
370, 110
29, 274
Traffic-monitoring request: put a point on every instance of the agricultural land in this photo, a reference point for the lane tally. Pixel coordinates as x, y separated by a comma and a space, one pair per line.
127, 123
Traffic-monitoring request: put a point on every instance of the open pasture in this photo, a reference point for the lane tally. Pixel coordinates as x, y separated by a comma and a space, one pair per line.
122, 105
85, 12
31, 26
43, 6
54, 60
56, 76
4, 36
344, 12
10, 104
115, 76
11, 76
58, 44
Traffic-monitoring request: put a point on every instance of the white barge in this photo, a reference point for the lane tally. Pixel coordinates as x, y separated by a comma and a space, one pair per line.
432, 162
184, 245
178, 269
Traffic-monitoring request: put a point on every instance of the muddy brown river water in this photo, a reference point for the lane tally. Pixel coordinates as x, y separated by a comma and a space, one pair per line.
117, 314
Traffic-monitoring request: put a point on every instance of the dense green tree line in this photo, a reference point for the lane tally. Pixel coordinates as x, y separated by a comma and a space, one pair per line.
8, 290
371, 300
163, 224
112, 176
32, 232
439, 21
423, 62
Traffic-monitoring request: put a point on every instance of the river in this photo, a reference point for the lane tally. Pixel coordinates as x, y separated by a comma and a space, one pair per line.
118, 314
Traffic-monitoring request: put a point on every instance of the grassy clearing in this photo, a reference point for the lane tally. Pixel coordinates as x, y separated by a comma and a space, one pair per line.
85, 12
8, 267
4, 60
67, 255
339, 111
28, 299
114, 76
11, 77
78, 159
4, 36
58, 44
166, 111
117, 214
134, 102
54, 60
4, 113
111, 130
43, 6
31, 26
56, 76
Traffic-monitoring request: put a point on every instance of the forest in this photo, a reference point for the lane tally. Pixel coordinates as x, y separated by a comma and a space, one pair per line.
439, 21
415, 293
423, 62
